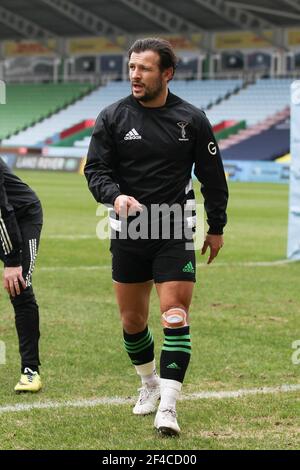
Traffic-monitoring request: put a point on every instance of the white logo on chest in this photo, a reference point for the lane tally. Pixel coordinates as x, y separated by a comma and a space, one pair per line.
183, 125
132, 135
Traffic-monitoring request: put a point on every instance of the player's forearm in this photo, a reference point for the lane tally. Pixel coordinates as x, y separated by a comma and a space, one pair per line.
102, 186
100, 174
215, 203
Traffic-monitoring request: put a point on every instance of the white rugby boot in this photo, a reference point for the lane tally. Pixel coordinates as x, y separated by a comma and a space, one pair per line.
148, 399
166, 422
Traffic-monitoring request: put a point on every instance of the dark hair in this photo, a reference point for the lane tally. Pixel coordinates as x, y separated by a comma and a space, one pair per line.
161, 46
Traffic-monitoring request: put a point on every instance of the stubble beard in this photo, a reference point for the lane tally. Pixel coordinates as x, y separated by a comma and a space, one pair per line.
151, 94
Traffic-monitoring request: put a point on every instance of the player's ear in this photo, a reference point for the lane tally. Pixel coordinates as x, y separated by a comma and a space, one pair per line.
168, 73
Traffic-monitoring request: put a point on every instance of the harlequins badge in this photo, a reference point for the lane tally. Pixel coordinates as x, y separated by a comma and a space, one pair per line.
183, 125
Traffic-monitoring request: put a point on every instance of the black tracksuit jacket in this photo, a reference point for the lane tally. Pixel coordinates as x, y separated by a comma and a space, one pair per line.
15, 198
149, 153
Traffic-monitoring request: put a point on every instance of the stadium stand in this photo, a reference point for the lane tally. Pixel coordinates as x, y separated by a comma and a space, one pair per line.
255, 103
200, 93
267, 145
256, 112
76, 136
27, 104
80, 135
244, 134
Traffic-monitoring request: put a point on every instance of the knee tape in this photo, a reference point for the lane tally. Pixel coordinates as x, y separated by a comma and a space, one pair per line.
174, 318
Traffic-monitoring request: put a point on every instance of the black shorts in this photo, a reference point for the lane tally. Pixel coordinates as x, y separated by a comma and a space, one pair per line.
159, 260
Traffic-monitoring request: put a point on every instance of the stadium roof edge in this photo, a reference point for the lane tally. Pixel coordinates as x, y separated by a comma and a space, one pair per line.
143, 16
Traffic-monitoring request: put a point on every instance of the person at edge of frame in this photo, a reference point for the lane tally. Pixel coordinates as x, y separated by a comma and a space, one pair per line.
21, 220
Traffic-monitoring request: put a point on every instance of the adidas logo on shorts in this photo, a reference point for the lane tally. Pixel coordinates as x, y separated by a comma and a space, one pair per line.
188, 268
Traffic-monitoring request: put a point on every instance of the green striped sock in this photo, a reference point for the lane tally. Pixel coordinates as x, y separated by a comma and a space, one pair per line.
140, 346
176, 353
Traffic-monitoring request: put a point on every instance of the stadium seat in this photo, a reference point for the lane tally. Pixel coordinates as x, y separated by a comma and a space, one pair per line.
255, 103
28, 104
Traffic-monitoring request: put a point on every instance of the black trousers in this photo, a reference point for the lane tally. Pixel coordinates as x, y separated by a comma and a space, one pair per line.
25, 306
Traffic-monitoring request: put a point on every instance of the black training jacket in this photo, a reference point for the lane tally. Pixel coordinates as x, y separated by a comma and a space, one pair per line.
15, 196
149, 153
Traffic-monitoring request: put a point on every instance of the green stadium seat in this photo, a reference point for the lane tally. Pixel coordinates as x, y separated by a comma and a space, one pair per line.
30, 103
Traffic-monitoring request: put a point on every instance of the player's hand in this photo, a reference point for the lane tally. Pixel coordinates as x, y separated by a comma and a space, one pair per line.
215, 243
12, 279
127, 205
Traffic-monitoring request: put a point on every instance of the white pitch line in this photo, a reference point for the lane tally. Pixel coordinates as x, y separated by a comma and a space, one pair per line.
242, 392
74, 268
69, 237
125, 401
245, 264
279, 262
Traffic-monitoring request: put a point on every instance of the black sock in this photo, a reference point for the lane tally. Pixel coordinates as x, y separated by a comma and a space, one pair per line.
176, 353
140, 346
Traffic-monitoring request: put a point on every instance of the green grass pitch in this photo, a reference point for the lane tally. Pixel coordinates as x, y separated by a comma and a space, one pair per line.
244, 320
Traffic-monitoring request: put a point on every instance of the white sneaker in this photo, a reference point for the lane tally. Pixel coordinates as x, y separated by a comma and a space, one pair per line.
166, 423
147, 401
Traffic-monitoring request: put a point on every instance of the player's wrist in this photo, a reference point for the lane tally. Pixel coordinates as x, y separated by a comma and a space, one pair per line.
215, 230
